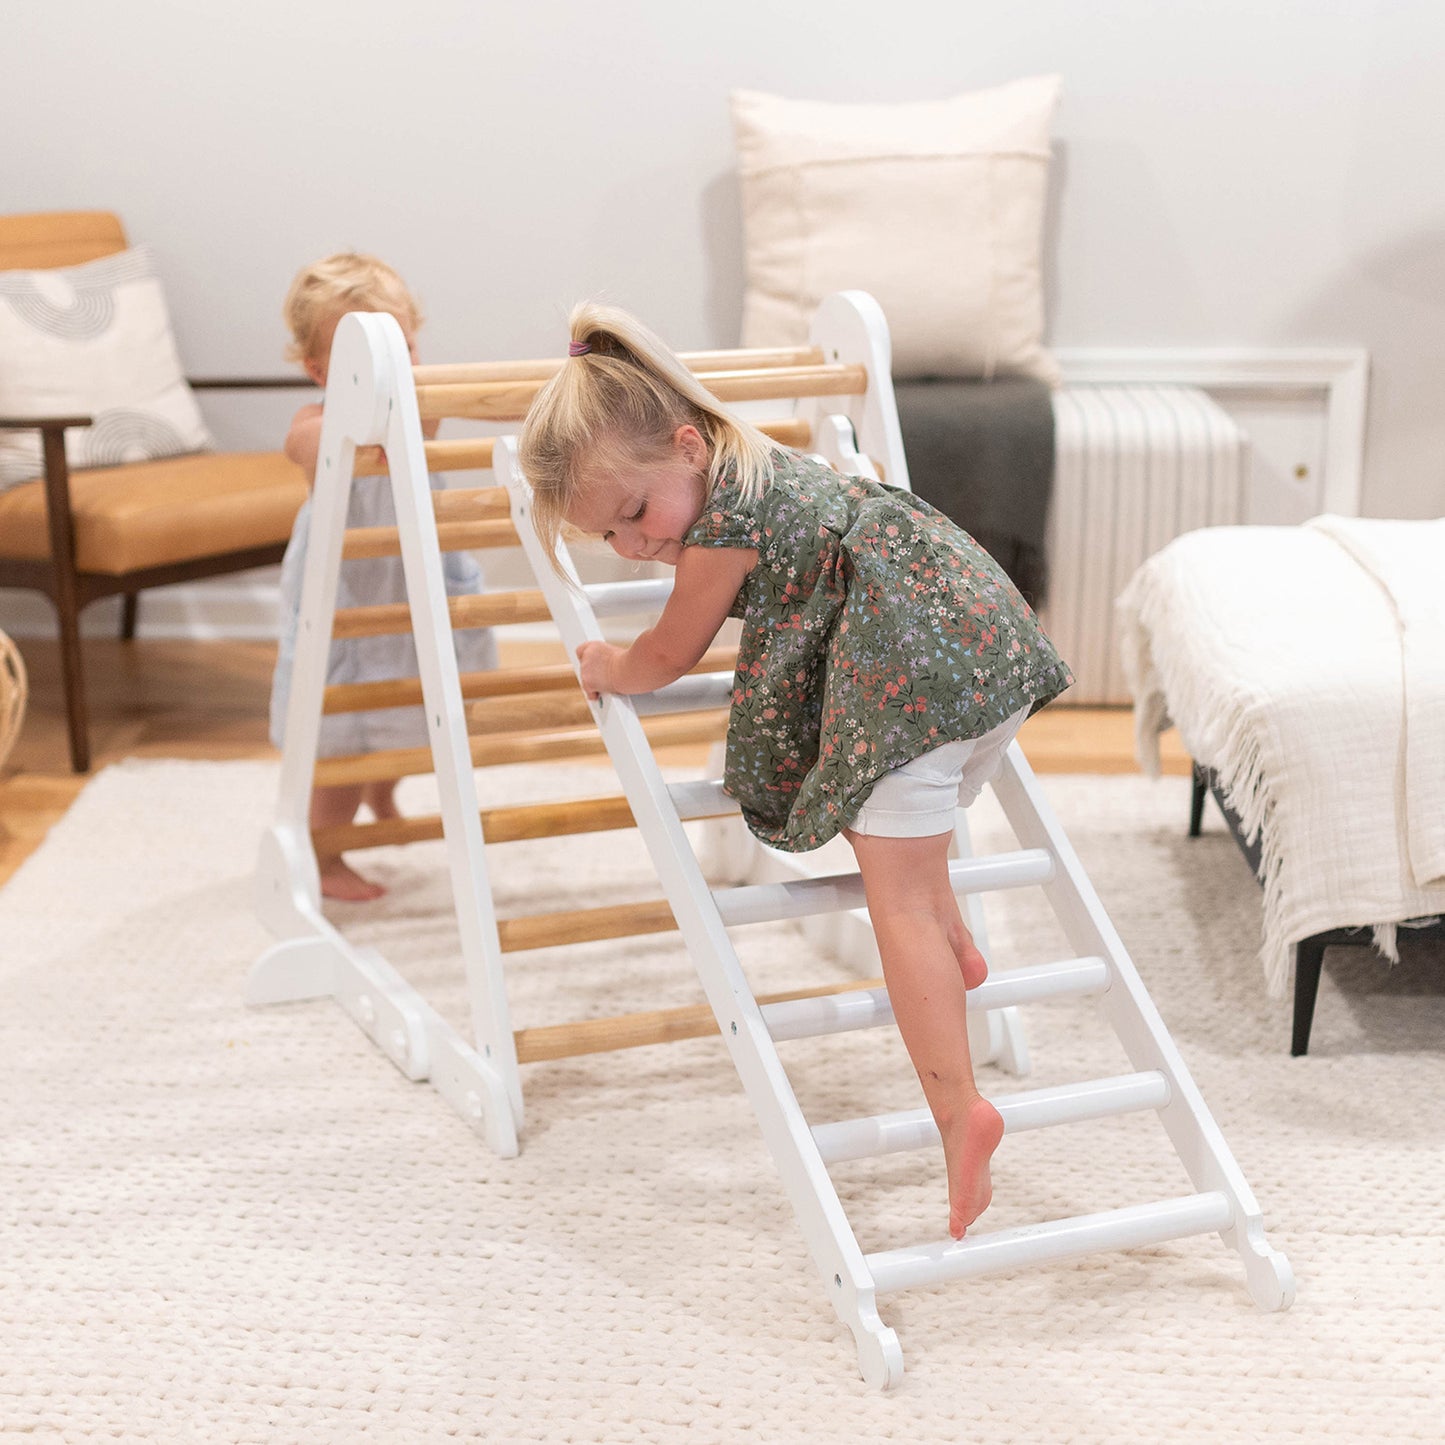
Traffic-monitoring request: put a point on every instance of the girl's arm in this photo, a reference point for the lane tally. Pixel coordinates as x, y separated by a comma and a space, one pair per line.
703, 592
303, 441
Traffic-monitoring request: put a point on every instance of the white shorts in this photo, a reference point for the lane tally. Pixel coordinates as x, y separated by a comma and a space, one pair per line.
918, 799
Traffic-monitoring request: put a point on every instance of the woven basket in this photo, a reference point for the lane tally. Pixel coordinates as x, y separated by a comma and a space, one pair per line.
13, 692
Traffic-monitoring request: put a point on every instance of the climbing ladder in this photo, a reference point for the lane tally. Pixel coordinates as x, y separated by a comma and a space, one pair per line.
375, 399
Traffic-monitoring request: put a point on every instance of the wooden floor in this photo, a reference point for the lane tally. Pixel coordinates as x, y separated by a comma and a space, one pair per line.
161, 699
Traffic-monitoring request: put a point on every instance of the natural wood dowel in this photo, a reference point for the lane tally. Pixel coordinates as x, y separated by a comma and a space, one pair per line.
482, 609
452, 536
510, 400
659, 1026
542, 712
499, 825
442, 374
584, 925
665, 731
466, 454
456, 454
472, 504
789, 431
504, 682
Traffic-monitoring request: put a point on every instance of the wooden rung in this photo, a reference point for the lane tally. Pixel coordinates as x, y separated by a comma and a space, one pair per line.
457, 454
499, 825
510, 400
452, 536
659, 1026
464, 454
481, 609
504, 682
488, 752
542, 712
788, 431
472, 504
445, 374
585, 925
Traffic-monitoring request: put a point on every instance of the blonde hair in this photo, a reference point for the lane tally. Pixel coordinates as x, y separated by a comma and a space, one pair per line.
345, 281
621, 402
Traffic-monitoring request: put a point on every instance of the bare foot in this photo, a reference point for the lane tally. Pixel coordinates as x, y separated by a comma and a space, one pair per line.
968, 1146
339, 880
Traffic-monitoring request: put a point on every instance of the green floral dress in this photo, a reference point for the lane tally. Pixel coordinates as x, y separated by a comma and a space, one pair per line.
874, 630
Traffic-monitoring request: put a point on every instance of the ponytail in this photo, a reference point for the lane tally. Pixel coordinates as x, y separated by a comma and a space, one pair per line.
620, 398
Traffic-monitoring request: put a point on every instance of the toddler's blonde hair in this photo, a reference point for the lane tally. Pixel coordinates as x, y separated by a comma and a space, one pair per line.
344, 281
618, 403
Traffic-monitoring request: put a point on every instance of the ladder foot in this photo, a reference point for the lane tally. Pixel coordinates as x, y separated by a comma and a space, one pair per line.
296, 968
1266, 1271
880, 1356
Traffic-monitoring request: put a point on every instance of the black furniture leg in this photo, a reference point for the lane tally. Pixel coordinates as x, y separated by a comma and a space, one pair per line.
129, 607
1309, 959
1196, 800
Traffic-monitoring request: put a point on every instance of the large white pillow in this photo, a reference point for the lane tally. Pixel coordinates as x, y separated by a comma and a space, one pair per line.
93, 340
935, 207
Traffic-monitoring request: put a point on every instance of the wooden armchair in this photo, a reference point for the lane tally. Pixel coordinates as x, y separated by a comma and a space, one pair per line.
105, 531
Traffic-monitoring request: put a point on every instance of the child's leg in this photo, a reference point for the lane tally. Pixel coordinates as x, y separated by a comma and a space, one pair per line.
330, 807
917, 924
380, 797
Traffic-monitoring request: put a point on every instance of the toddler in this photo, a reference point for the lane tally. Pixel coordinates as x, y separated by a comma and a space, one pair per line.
885, 664
320, 296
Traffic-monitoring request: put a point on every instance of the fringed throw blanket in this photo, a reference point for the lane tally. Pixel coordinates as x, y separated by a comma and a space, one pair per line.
1306, 667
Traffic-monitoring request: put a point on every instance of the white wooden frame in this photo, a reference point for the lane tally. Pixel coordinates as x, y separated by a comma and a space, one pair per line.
853, 1280
372, 401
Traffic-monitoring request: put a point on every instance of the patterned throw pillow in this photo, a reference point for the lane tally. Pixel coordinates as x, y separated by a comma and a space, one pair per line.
93, 340
936, 208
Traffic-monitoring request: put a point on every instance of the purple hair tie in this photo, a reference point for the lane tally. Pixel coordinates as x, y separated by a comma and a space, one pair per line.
578, 348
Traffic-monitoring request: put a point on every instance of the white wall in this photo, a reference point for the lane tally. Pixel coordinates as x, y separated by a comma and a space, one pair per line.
1232, 173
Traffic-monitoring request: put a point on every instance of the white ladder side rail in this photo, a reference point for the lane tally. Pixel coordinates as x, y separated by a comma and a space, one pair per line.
371, 400
446, 722
849, 327
354, 415
1191, 1127
789, 1138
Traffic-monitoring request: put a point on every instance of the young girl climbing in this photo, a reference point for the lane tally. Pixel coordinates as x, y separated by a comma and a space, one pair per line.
885, 663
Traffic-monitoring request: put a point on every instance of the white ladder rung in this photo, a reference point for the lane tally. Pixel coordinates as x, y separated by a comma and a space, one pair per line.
693, 693
764, 902
1005, 1249
703, 799
868, 1008
612, 599
1033, 1109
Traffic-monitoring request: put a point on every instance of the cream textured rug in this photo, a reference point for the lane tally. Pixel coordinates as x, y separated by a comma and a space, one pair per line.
233, 1225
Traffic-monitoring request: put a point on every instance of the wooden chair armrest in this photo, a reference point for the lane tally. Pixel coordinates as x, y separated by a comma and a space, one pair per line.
42, 423
250, 383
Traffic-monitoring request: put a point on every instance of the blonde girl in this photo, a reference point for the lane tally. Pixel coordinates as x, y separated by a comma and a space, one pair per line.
321, 294
885, 663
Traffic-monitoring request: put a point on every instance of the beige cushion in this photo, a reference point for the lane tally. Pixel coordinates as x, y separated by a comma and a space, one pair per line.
935, 207
154, 513
93, 340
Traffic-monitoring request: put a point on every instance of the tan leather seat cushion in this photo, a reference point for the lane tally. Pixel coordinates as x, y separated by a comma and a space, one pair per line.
148, 514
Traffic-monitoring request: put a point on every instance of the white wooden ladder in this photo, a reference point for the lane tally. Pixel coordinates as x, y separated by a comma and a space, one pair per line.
1223, 1202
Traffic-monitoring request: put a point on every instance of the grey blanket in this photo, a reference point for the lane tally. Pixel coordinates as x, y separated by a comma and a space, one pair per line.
983, 453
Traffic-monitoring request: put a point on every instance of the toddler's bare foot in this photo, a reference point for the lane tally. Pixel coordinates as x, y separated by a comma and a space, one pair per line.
968, 1145
339, 880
